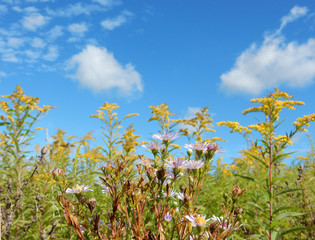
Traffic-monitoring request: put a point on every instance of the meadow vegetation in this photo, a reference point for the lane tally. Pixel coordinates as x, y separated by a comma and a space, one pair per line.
87, 188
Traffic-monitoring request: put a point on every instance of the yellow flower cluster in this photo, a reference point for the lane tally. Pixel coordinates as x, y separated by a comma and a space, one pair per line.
235, 127
129, 139
4, 105
91, 155
304, 121
271, 106
283, 139
22, 102
175, 146
263, 128
226, 171
198, 125
215, 139
108, 108
161, 113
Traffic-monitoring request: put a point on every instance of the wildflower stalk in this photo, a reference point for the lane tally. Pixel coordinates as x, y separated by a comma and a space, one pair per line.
270, 152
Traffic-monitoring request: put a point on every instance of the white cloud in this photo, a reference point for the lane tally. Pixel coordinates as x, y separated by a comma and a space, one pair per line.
3, 9
77, 28
295, 13
34, 21
2, 43
9, 57
75, 10
97, 69
275, 62
34, 1
108, 3
55, 33
31, 9
17, 9
38, 43
52, 54
15, 42
2, 74
32, 55
11, 1
112, 23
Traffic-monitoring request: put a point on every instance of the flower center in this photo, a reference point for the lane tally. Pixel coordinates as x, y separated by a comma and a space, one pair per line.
78, 188
200, 220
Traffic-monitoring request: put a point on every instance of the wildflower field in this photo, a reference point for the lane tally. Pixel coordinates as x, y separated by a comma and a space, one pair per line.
86, 188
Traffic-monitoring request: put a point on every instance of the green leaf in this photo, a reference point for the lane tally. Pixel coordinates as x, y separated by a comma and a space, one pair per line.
289, 190
275, 235
281, 156
250, 178
265, 228
287, 208
258, 159
276, 179
255, 205
277, 224
294, 229
286, 215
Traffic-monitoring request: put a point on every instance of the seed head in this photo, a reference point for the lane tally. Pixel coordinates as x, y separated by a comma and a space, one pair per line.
56, 172
160, 173
44, 150
238, 211
91, 203
214, 226
237, 191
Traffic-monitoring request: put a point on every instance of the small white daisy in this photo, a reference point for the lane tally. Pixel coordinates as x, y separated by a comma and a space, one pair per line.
194, 164
197, 221
79, 189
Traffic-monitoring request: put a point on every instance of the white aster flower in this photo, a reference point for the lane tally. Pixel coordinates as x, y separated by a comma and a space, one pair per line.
197, 221
79, 189
194, 164
153, 146
171, 193
105, 188
175, 163
165, 136
145, 162
169, 175
197, 146
220, 220
182, 196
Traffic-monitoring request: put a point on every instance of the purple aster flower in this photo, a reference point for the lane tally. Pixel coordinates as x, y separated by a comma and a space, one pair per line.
145, 162
153, 146
79, 189
169, 175
105, 188
172, 193
167, 217
165, 136
194, 164
197, 146
183, 196
214, 147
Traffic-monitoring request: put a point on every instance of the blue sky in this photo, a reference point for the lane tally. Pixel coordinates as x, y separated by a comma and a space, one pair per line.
76, 55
